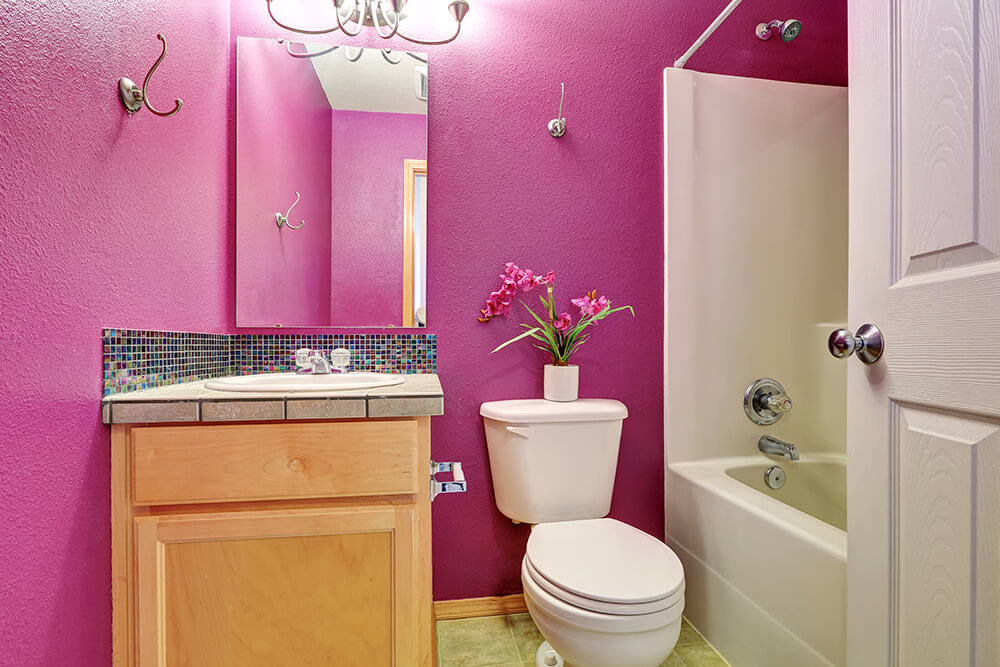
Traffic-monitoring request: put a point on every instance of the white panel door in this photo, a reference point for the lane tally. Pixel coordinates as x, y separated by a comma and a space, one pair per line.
924, 422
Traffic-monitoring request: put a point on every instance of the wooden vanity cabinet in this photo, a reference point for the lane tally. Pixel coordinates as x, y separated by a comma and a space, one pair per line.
271, 544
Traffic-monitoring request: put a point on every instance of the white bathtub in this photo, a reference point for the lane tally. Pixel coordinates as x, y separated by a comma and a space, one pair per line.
766, 582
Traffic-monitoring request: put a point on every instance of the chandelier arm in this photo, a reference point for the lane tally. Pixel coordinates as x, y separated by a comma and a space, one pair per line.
377, 6
362, 7
298, 30
458, 29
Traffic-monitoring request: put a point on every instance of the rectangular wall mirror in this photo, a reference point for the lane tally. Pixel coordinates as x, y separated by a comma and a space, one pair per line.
342, 131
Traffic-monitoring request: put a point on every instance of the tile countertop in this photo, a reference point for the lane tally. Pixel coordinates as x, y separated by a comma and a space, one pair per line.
420, 395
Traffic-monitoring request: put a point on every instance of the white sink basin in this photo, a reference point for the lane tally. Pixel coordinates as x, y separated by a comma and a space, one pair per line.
287, 382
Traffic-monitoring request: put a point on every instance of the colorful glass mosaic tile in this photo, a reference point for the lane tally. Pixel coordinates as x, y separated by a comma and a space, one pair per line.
138, 359
378, 353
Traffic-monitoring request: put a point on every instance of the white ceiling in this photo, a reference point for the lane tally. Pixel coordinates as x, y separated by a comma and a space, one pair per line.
371, 83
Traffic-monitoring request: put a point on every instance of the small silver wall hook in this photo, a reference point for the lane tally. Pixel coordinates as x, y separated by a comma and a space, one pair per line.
557, 126
282, 220
133, 98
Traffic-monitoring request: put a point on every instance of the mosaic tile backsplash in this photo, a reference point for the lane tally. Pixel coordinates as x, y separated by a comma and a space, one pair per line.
376, 353
138, 359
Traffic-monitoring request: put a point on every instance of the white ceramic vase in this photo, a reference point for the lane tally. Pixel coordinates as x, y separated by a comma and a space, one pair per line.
562, 383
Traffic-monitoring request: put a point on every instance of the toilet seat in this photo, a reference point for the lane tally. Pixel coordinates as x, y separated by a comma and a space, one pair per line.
605, 566
599, 606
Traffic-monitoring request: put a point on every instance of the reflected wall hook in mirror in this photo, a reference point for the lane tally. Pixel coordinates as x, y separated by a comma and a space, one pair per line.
282, 220
133, 97
307, 54
557, 126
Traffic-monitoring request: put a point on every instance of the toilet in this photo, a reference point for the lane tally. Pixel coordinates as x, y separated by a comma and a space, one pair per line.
601, 592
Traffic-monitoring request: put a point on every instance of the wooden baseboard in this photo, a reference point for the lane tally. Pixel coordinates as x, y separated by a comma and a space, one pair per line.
474, 607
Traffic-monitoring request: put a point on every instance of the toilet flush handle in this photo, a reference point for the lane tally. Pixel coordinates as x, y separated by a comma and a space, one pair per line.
518, 430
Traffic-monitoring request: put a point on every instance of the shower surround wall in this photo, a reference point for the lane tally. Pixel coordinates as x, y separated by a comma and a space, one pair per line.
112, 220
756, 256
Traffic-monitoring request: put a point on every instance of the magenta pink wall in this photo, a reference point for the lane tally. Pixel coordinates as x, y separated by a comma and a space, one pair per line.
282, 275
115, 221
106, 220
367, 244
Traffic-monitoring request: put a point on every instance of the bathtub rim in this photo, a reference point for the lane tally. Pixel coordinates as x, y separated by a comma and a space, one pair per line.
710, 476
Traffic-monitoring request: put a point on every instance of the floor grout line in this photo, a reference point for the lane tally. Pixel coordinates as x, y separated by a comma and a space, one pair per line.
513, 639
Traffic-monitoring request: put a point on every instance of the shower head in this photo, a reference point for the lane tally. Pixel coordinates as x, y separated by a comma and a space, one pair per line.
788, 29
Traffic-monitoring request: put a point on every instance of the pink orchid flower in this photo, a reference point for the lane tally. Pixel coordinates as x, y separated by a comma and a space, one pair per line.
564, 322
512, 279
590, 304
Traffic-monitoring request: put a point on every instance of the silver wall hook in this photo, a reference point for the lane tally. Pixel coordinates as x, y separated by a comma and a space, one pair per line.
557, 126
133, 98
282, 220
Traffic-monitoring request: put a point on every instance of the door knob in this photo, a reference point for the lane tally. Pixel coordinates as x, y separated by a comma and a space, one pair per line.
868, 343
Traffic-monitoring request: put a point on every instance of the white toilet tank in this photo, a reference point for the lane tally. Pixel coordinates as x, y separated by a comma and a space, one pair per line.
553, 461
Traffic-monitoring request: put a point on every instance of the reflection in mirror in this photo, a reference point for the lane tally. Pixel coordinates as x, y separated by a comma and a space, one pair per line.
343, 130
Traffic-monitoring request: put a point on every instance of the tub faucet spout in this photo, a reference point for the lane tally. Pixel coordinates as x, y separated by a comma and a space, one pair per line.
770, 445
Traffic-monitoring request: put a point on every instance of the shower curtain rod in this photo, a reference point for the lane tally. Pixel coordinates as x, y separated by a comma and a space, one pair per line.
680, 62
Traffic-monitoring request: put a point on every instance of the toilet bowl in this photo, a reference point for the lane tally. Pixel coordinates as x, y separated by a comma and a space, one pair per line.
601, 592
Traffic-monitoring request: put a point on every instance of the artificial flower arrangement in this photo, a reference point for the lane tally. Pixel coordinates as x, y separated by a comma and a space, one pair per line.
555, 334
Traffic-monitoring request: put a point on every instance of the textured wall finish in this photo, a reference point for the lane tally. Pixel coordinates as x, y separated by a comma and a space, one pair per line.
116, 221
367, 240
106, 220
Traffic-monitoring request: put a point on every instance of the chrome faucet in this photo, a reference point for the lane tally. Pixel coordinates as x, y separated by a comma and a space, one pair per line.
311, 361
315, 362
770, 445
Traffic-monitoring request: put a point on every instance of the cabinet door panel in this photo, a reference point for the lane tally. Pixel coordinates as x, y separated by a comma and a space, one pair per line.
308, 587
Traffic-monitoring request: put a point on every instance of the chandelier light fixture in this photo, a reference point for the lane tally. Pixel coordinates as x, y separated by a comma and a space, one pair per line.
385, 16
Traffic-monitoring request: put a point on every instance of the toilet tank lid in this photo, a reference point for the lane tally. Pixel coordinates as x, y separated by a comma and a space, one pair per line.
538, 410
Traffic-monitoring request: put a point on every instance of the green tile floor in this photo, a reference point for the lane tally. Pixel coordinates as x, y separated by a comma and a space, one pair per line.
511, 641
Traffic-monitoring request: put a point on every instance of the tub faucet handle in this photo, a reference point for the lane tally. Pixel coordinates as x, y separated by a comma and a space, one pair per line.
765, 401
779, 403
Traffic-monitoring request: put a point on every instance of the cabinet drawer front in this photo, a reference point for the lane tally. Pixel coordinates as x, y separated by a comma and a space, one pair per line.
199, 464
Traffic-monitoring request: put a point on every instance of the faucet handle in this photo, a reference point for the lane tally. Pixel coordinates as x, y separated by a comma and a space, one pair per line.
765, 401
779, 403
302, 358
340, 359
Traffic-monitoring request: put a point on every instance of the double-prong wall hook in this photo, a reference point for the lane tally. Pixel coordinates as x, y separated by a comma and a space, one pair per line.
133, 98
557, 126
282, 220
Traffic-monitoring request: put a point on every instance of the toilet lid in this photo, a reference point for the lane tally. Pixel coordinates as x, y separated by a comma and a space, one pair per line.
605, 560
613, 608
